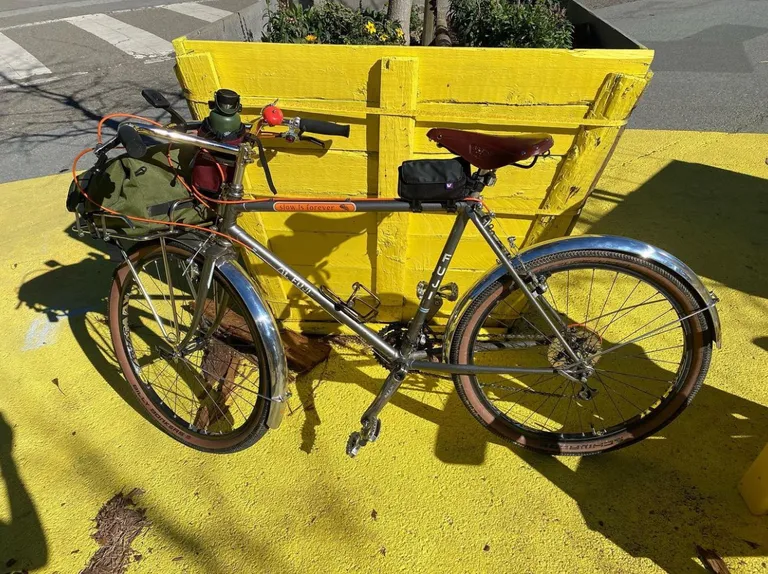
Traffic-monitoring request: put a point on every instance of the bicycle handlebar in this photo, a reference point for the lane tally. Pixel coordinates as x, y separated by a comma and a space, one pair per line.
175, 137
324, 128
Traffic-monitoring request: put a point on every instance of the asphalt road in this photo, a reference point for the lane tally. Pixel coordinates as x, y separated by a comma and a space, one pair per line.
711, 67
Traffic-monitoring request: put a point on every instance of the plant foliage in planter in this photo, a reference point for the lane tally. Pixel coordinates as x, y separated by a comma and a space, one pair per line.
511, 23
478, 23
331, 23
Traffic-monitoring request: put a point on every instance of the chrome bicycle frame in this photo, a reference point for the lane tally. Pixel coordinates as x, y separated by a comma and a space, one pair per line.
407, 357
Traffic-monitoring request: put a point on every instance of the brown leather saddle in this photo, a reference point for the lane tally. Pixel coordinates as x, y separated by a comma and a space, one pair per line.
491, 152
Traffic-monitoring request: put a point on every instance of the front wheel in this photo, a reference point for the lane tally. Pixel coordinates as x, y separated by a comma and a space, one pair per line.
624, 314
211, 394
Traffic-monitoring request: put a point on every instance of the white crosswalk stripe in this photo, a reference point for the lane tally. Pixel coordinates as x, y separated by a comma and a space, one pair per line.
16, 63
130, 39
199, 11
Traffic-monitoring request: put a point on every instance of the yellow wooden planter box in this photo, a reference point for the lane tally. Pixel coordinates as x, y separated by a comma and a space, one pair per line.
392, 96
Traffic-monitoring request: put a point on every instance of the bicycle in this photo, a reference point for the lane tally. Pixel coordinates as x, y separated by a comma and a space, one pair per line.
552, 349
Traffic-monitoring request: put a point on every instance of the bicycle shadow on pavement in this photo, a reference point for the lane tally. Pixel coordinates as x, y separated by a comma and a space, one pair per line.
77, 295
22, 540
710, 218
659, 498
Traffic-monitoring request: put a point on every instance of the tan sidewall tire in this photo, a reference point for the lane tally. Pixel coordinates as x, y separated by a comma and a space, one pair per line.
242, 439
701, 353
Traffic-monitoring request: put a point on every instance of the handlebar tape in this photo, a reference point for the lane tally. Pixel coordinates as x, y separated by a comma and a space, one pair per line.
324, 128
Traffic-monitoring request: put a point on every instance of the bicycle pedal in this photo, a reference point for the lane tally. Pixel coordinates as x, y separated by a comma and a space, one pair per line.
354, 443
449, 291
374, 432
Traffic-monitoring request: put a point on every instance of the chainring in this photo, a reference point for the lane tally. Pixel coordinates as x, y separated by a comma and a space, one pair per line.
395, 333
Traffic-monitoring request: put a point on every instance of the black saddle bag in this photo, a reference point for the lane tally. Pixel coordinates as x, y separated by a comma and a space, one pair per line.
433, 179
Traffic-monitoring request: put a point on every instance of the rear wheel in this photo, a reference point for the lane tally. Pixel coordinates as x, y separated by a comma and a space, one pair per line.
211, 395
623, 314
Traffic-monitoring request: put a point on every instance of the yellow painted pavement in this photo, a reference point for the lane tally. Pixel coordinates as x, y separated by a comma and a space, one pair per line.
447, 496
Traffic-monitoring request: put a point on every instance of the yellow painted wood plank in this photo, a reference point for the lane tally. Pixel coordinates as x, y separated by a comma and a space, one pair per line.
309, 173
274, 287
592, 147
485, 114
398, 83
473, 253
438, 226
341, 223
510, 76
391, 96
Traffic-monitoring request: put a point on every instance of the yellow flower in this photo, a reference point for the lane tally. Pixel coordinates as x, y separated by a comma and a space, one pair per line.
370, 27
310, 38
400, 34
383, 37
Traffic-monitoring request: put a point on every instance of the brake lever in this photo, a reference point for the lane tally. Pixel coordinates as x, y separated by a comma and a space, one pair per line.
312, 140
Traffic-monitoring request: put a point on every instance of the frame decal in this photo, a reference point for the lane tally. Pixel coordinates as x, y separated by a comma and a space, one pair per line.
316, 206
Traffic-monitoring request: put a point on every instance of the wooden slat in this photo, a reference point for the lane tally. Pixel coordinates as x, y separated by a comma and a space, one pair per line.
474, 75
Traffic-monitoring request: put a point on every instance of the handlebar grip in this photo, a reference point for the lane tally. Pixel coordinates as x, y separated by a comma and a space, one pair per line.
131, 141
324, 128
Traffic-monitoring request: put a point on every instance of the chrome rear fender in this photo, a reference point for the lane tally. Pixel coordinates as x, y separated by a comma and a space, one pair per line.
669, 262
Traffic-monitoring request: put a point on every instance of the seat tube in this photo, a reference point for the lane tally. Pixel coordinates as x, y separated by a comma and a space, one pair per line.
414, 328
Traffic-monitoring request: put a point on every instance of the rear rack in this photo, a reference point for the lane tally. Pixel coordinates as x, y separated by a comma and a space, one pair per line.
95, 223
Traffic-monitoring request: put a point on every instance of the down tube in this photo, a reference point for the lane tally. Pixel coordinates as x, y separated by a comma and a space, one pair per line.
306, 287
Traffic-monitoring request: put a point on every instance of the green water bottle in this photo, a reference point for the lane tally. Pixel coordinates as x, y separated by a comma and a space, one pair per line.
224, 120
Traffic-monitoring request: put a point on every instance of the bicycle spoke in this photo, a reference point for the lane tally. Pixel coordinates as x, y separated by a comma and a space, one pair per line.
523, 389
631, 386
210, 410
567, 411
602, 333
608, 296
618, 393
557, 402
542, 404
608, 392
635, 376
589, 298
627, 313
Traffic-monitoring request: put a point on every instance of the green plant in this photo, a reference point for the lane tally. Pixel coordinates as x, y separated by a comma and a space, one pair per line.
331, 23
511, 23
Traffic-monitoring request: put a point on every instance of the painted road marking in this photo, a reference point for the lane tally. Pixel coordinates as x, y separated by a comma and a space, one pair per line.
130, 39
16, 63
56, 6
199, 11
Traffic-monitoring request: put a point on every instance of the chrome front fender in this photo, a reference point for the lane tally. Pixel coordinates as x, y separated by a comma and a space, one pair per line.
604, 243
269, 333
265, 325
